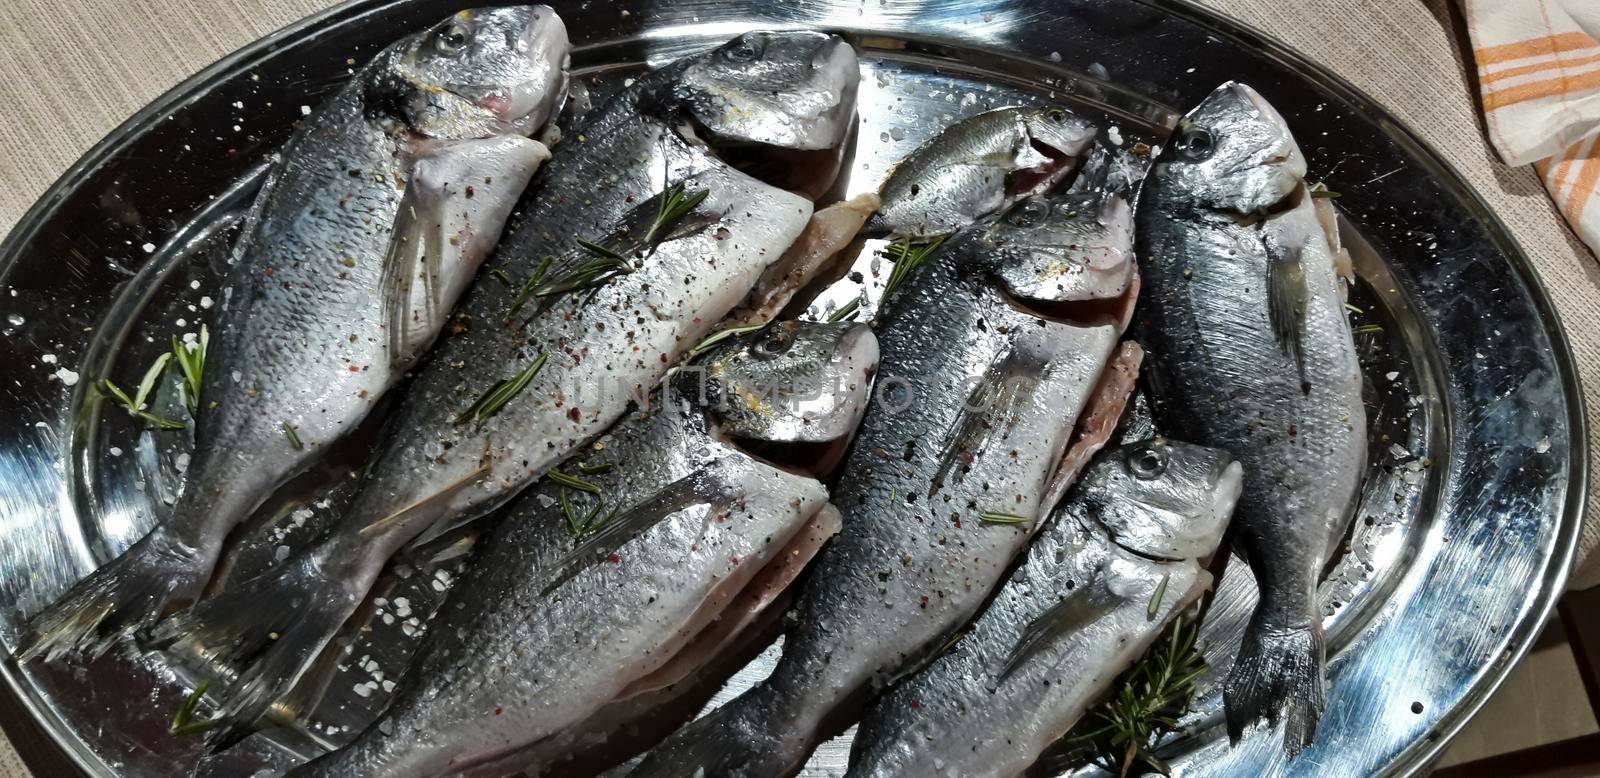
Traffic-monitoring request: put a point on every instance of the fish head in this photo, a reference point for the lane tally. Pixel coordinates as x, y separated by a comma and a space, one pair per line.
1062, 248
1233, 153
789, 90
791, 382
476, 74
1163, 498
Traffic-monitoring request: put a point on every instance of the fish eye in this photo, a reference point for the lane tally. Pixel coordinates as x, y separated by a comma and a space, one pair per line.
774, 344
1030, 214
747, 49
453, 38
1056, 115
1147, 462
1196, 144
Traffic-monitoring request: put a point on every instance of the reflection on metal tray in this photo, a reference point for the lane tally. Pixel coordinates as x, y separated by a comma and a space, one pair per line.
1469, 513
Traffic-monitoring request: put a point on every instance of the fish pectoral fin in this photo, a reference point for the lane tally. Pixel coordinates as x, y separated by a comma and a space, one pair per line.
1286, 301
618, 529
1077, 610
991, 409
455, 205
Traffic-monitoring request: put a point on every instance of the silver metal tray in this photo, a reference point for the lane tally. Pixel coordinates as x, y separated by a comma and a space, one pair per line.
1470, 512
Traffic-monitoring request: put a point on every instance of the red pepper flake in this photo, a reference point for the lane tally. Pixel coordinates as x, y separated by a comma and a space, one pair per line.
734, 560
575, 415
916, 705
614, 559
924, 600
355, 369
498, 711
470, 192
268, 271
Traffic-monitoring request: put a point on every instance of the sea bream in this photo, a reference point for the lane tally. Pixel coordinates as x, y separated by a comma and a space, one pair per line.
1243, 318
371, 222
619, 574
637, 241
978, 167
959, 458
1118, 561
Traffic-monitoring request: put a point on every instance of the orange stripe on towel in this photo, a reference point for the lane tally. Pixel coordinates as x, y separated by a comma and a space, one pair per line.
1551, 44
1501, 75
1540, 89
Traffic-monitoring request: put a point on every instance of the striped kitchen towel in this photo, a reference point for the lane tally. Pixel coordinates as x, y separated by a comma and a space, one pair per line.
1539, 75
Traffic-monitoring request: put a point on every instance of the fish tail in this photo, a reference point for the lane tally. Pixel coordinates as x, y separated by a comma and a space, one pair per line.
123, 597
273, 627
1278, 675
744, 738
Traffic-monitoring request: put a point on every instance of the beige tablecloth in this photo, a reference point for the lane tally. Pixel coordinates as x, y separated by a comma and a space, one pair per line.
71, 70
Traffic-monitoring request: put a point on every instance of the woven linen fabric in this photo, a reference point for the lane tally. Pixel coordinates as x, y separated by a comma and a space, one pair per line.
72, 70
1538, 65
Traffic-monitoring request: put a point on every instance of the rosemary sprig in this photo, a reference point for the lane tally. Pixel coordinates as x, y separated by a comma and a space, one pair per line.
720, 335
1320, 189
501, 276
579, 527
192, 363
845, 311
995, 517
136, 404
907, 254
502, 392
183, 722
675, 204
1368, 329
294, 437
531, 285
572, 482
606, 265
1146, 704
1154, 607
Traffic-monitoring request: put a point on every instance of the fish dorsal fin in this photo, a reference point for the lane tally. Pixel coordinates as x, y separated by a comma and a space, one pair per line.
1286, 300
990, 410
620, 529
1081, 607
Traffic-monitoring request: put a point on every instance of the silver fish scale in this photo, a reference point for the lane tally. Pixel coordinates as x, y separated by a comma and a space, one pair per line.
605, 348
307, 273
957, 719
738, 514
909, 568
1211, 343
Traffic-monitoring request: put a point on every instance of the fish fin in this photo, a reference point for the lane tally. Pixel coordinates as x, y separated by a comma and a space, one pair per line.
1278, 675
415, 255
1286, 302
118, 600
990, 410
618, 530
746, 737
447, 223
1075, 611
273, 627
439, 527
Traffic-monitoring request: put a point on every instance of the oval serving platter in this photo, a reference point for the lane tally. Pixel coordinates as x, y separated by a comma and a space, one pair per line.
1461, 545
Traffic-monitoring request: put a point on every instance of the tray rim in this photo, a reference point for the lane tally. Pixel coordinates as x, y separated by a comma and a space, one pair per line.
16, 694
